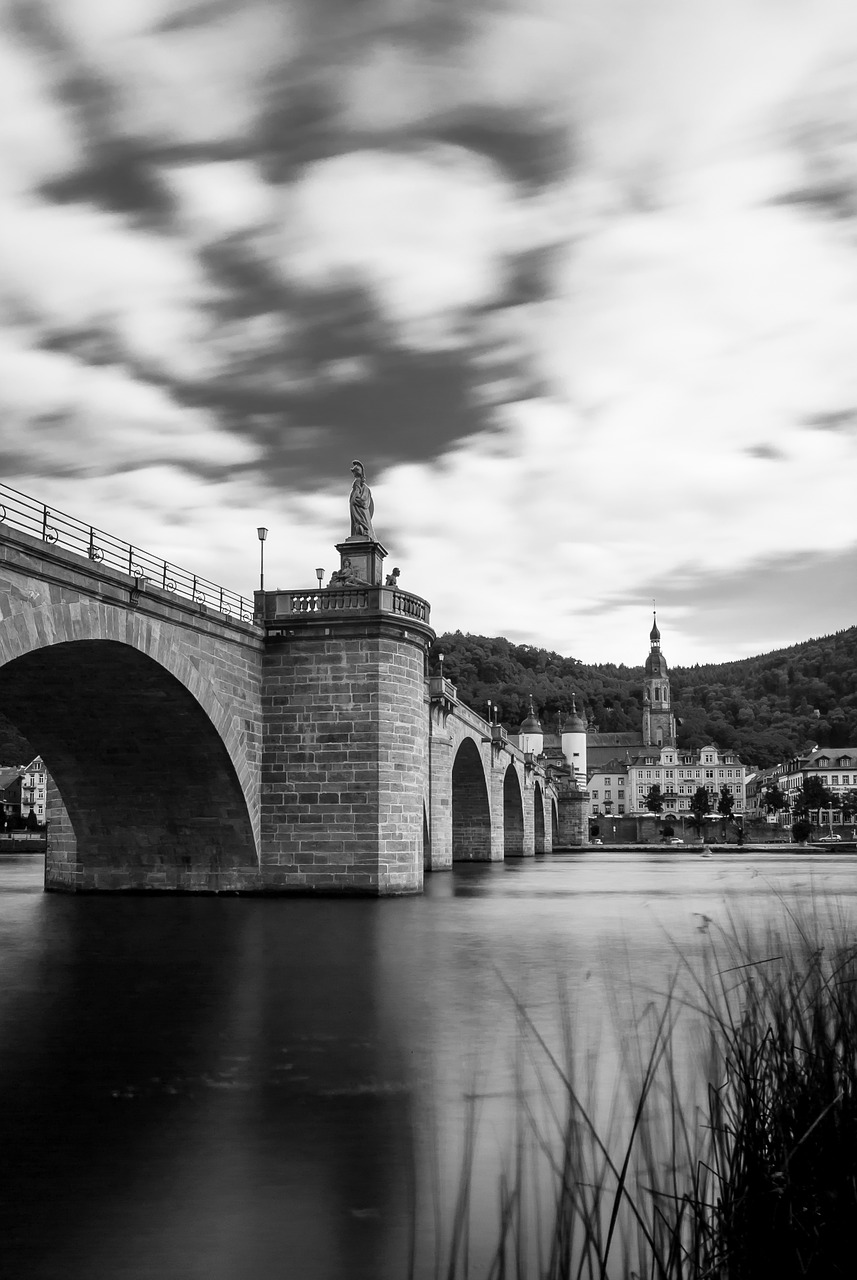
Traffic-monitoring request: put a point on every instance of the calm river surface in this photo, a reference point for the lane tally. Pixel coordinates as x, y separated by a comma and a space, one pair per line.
263, 1088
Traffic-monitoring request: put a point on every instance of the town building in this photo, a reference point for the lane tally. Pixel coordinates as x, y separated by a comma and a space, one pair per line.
34, 790
24, 792
619, 769
11, 781
835, 767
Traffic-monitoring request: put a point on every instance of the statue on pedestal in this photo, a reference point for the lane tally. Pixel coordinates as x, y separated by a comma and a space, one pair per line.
360, 504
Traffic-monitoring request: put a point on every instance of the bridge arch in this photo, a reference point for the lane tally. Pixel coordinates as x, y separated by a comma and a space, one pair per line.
471, 810
149, 764
513, 815
539, 820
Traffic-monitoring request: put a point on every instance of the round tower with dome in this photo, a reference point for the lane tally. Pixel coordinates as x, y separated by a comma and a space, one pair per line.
531, 734
574, 744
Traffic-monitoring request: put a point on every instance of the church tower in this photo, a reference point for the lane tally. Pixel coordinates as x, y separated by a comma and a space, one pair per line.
658, 719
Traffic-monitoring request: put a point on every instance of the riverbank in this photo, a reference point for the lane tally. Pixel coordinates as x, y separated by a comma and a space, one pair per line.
769, 847
23, 842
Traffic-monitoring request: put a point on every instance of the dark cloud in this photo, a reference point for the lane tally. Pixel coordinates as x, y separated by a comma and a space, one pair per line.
299, 124
328, 379
118, 177
767, 452
824, 134
837, 420
90, 343
528, 151
776, 599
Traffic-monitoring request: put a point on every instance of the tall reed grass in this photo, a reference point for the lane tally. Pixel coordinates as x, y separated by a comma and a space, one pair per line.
738, 1162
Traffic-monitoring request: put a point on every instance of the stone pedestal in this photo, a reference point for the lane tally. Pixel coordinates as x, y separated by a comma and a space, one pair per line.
366, 557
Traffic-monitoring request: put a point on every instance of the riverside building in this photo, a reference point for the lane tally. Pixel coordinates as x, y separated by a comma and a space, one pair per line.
619, 769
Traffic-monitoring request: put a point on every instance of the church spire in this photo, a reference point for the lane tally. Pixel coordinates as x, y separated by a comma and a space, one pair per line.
658, 719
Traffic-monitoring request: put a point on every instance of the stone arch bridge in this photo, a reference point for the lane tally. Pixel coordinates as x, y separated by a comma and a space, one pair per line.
300, 747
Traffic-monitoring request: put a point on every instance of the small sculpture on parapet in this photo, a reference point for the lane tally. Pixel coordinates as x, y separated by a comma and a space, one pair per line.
392, 579
361, 504
346, 577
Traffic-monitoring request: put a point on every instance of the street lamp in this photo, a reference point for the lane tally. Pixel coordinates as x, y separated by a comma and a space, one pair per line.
319, 573
263, 533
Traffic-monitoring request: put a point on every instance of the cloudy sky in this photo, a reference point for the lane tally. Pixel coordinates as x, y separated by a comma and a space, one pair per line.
575, 279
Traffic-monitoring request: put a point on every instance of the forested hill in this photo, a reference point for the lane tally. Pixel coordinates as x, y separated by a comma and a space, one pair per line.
766, 708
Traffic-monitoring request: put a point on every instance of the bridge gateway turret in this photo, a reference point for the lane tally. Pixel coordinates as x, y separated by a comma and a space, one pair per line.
197, 746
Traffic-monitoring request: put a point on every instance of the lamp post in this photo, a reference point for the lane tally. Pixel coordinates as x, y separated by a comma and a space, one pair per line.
319, 573
263, 533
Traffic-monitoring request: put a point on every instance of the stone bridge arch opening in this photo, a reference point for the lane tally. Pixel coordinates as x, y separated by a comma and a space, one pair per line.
151, 796
513, 815
539, 819
471, 811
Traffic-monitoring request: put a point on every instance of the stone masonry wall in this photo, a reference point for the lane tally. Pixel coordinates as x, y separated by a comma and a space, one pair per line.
440, 800
345, 758
573, 818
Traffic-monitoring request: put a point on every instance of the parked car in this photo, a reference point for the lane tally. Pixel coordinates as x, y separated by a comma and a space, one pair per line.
830, 839
675, 840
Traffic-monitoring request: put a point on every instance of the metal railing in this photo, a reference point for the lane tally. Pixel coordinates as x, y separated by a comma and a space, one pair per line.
54, 527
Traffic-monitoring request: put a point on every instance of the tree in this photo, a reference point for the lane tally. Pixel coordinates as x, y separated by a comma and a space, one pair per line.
32, 823
725, 805
700, 805
801, 830
655, 799
813, 795
773, 799
848, 803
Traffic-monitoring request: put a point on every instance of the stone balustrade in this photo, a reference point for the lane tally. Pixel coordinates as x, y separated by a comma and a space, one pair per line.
277, 606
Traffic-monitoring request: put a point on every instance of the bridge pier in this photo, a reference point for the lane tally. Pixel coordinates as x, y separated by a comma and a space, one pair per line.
439, 854
344, 741
573, 808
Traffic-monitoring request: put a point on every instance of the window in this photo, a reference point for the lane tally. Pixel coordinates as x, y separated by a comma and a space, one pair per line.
709, 773
835, 780
595, 795
621, 808
41, 808
669, 773
648, 773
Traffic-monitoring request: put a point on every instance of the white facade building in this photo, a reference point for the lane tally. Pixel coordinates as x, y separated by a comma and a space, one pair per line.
34, 789
678, 773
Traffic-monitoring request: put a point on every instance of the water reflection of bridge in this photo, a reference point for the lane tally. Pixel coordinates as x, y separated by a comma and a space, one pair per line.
197, 746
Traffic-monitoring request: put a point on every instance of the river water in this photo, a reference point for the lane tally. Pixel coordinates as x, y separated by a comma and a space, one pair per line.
275, 1088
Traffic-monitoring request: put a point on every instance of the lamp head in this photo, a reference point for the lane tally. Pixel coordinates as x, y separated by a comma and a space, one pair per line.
263, 533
